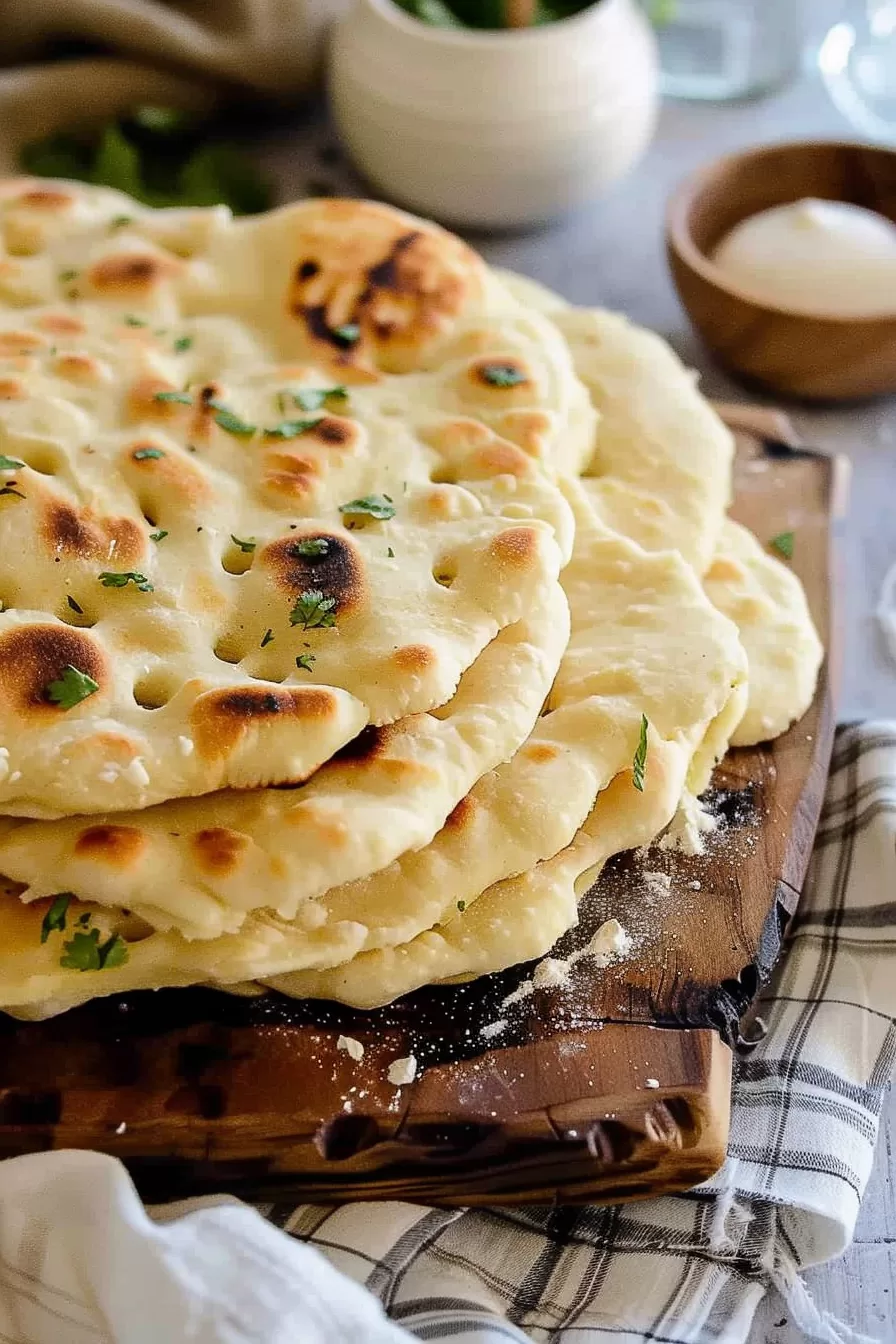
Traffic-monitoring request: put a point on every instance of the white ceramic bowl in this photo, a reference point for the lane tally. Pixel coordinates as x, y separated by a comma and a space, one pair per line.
494, 128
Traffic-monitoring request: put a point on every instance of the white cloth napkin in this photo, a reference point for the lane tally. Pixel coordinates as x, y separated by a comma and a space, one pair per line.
81, 1262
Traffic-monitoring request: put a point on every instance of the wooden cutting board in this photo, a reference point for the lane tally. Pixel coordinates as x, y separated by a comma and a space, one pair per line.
613, 1087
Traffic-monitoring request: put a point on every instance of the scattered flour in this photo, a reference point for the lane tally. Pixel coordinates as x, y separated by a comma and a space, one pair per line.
688, 827
656, 886
492, 1029
352, 1047
550, 972
402, 1071
610, 943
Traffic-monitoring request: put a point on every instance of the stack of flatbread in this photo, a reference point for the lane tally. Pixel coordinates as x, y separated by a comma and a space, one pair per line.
358, 603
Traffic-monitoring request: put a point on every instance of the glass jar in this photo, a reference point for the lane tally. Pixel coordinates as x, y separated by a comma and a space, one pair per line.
721, 49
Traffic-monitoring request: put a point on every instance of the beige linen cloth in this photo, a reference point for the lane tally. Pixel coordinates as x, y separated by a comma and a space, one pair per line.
186, 53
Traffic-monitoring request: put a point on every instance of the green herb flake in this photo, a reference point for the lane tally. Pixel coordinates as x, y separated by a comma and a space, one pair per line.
85, 952
182, 344
120, 222
390, 554
231, 422
111, 579
305, 661
54, 919
247, 547
71, 688
158, 536
267, 638
182, 398
74, 605
502, 375
783, 544
147, 454
131, 321
10, 463
639, 763
67, 276
313, 398
461, 905
313, 611
374, 506
348, 334
290, 429
310, 547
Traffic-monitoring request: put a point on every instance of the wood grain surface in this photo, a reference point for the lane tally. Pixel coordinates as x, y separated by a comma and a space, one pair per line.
613, 1087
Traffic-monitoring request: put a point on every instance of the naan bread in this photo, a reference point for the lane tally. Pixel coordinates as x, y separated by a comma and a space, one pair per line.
655, 645
767, 602
201, 865
176, 478
660, 469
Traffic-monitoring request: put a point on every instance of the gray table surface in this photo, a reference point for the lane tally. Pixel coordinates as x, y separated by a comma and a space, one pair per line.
612, 254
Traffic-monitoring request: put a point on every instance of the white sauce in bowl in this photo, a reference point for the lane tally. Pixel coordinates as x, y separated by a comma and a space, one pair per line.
816, 258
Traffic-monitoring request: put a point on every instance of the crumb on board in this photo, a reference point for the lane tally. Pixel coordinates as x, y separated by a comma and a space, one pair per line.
351, 1046
402, 1071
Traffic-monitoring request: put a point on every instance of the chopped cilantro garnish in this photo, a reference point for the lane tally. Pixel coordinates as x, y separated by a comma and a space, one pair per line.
158, 536
66, 276
348, 334
120, 222
131, 321
182, 398
246, 546
71, 688
313, 611
54, 919
390, 553
143, 454
502, 375
85, 952
313, 398
290, 429
309, 547
10, 463
231, 422
639, 763
121, 580
461, 905
74, 605
182, 343
375, 506
783, 544
267, 638
305, 661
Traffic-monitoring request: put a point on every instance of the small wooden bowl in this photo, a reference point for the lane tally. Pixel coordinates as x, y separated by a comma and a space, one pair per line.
820, 358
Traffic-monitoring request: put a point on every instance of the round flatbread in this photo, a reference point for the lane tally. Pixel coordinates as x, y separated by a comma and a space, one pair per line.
275, 479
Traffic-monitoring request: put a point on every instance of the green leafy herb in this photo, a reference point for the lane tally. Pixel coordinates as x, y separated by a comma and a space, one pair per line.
54, 919
10, 463
74, 605
348, 334
182, 343
313, 611
10, 489
502, 375
110, 579
390, 553
639, 763
117, 163
313, 398
305, 661
145, 454
267, 638
783, 544
182, 398
71, 688
247, 547
231, 422
290, 429
131, 321
309, 547
67, 276
120, 222
375, 506
158, 536
461, 905
85, 952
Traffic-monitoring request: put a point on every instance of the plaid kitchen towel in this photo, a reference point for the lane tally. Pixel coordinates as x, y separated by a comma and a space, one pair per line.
82, 1263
